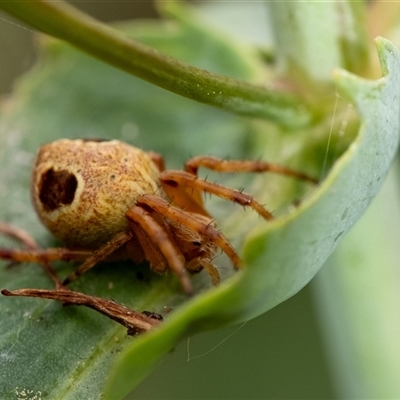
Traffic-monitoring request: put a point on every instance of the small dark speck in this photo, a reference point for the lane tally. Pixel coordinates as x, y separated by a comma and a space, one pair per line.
112, 177
140, 276
338, 236
153, 315
345, 213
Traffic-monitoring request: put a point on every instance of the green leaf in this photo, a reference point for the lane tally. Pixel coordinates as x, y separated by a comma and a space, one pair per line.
359, 293
304, 56
71, 95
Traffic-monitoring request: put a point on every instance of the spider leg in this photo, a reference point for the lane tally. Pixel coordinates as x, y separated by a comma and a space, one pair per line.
221, 165
135, 322
208, 266
212, 271
158, 235
157, 159
182, 217
94, 257
43, 255
18, 234
31, 248
175, 178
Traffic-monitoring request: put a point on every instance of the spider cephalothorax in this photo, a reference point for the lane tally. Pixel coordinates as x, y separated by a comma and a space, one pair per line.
107, 199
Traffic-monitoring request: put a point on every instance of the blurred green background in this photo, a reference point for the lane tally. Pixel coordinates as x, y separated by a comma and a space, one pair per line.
279, 355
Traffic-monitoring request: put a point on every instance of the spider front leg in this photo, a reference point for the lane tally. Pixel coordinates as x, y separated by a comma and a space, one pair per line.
157, 244
163, 235
147, 220
174, 181
194, 265
221, 165
195, 233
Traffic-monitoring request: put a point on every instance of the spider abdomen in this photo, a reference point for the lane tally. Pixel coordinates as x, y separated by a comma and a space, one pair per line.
82, 189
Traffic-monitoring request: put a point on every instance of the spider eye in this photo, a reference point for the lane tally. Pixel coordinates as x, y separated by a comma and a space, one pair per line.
57, 188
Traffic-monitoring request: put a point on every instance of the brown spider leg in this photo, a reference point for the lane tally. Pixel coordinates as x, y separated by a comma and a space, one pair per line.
44, 255
18, 234
212, 271
99, 255
134, 321
158, 235
210, 268
158, 160
175, 178
221, 165
31, 247
180, 216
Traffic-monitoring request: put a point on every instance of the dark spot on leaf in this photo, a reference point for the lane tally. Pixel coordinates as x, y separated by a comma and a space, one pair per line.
57, 188
338, 236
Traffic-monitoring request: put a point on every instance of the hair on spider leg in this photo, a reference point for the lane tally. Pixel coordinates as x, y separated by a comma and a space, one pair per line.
264, 205
157, 190
213, 223
171, 201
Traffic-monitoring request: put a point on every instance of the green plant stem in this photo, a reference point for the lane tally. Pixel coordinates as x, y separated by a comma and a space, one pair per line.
107, 44
308, 52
